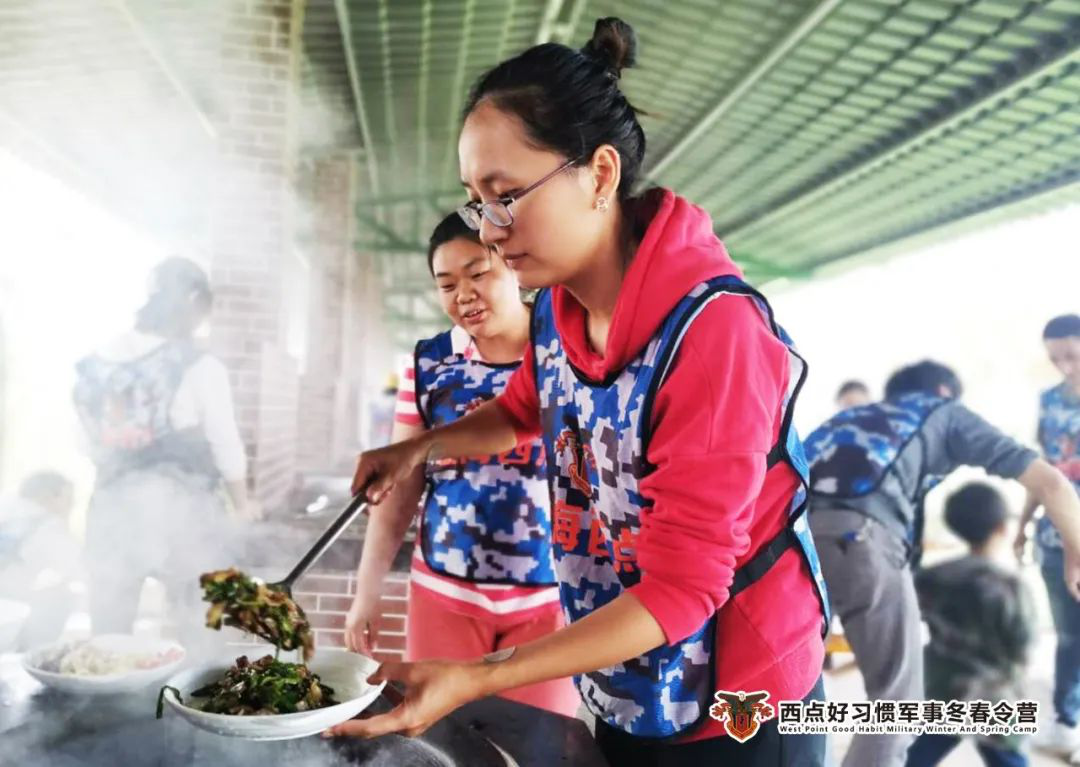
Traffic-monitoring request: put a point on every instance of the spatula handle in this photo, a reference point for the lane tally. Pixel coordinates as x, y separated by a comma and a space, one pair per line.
326, 540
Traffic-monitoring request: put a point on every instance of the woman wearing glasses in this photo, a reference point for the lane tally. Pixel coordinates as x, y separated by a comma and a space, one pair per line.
663, 391
482, 577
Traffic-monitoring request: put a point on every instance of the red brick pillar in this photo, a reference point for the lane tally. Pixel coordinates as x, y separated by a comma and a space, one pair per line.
326, 433
251, 238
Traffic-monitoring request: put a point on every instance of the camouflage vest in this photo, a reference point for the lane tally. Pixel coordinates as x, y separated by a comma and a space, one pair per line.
1059, 436
125, 406
486, 519
597, 437
853, 452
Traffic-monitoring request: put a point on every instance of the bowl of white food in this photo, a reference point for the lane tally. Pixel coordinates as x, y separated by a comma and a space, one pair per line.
105, 664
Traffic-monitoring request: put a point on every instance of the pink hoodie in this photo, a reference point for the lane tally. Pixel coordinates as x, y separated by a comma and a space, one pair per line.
715, 419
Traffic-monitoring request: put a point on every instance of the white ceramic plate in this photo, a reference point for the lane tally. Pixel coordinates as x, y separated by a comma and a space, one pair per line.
344, 671
123, 682
12, 616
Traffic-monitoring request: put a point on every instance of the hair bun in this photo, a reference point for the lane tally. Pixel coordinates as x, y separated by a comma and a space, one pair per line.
613, 44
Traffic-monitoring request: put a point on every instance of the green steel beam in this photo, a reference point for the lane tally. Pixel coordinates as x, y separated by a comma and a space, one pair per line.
889, 218
382, 246
389, 241
457, 98
814, 138
547, 22
388, 101
761, 268
388, 233
412, 198
946, 184
744, 180
1059, 196
422, 104
689, 139
874, 163
341, 10
504, 35
565, 33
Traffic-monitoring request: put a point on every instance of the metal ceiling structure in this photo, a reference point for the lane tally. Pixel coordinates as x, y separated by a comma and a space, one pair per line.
409, 66
811, 131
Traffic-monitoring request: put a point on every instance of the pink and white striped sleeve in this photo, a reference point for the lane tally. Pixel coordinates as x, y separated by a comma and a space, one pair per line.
406, 409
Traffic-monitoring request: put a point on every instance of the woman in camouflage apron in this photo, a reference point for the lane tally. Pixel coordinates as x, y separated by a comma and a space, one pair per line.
483, 575
663, 390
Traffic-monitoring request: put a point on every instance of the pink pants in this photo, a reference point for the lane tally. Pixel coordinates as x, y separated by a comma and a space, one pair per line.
435, 631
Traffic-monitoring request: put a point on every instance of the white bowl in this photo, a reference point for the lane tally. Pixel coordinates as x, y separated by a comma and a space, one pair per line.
95, 684
12, 617
344, 671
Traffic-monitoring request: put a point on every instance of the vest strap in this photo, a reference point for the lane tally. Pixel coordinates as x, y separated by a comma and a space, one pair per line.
774, 456
761, 562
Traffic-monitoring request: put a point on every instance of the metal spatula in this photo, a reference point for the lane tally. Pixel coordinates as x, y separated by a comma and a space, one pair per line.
358, 504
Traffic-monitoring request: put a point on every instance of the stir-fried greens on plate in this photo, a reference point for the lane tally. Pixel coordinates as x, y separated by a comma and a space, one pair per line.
263, 687
252, 606
267, 686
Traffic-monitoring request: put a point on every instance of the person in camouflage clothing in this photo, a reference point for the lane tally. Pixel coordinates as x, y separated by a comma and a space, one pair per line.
870, 470
482, 576
664, 390
1059, 438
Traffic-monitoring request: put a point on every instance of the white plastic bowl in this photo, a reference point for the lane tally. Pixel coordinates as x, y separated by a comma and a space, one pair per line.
96, 684
344, 671
12, 617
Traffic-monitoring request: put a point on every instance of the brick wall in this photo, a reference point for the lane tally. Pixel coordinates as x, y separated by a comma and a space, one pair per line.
251, 233
274, 448
326, 596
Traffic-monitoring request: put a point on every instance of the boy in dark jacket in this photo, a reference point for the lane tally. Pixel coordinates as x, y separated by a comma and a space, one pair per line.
981, 623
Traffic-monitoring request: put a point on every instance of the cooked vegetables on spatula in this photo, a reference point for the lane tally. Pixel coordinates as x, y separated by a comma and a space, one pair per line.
250, 605
267, 686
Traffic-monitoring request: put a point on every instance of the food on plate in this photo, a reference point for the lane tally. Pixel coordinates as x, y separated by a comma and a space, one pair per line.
84, 658
259, 688
250, 605
267, 686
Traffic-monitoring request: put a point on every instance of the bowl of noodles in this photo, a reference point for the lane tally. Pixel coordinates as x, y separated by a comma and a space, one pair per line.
105, 664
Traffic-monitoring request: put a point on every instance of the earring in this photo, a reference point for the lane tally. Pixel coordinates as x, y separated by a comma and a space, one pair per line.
602, 204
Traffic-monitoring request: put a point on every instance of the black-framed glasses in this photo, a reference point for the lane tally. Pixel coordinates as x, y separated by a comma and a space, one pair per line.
498, 210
